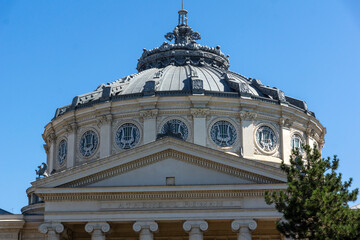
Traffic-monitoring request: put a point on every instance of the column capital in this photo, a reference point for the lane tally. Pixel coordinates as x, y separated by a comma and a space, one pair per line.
71, 127
201, 224
199, 112
148, 114
104, 119
92, 226
151, 225
51, 226
236, 225
246, 115
286, 122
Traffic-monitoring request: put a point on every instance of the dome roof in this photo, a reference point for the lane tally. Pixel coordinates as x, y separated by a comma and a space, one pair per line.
183, 68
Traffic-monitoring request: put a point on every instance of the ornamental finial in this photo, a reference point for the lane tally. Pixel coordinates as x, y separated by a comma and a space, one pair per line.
183, 34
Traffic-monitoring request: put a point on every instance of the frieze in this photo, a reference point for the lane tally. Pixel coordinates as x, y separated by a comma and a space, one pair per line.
181, 205
205, 196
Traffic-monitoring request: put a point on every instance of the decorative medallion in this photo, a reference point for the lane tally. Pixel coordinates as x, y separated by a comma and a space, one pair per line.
174, 127
62, 152
296, 142
266, 138
223, 133
88, 143
127, 136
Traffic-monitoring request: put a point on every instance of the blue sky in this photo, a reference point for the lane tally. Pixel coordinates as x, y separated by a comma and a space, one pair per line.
51, 51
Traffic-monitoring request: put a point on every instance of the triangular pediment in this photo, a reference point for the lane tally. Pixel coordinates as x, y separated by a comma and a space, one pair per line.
153, 163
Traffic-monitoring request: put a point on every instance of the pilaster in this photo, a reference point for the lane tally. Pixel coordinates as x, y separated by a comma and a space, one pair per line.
104, 123
195, 229
247, 131
52, 230
71, 129
149, 118
285, 142
199, 124
51, 140
243, 228
97, 230
146, 229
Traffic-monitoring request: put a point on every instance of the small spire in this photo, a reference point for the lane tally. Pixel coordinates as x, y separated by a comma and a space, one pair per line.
182, 15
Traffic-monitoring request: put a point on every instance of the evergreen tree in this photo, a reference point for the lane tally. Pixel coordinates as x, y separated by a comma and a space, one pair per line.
315, 204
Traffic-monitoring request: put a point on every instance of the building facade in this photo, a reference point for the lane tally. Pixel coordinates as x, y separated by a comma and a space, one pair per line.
183, 149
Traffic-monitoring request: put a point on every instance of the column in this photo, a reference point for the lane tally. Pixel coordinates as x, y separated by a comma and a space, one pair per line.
247, 133
285, 125
52, 230
149, 118
146, 229
199, 123
195, 229
243, 228
51, 140
71, 144
104, 123
97, 230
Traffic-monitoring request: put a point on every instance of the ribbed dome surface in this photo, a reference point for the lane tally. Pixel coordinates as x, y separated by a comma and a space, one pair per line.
179, 78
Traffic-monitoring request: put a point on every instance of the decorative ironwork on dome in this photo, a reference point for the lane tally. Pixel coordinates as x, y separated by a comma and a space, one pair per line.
184, 51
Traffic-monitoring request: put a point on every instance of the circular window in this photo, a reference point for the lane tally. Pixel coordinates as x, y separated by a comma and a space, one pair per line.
266, 138
62, 152
223, 133
127, 136
88, 143
176, 127
296, 142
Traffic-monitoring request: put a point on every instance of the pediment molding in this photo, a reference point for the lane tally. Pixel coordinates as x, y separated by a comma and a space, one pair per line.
153, 152
169, 153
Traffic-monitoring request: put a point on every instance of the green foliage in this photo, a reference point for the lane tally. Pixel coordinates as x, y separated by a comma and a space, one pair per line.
314, 206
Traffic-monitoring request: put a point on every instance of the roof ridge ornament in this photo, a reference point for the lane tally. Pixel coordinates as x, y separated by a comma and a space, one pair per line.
182, 33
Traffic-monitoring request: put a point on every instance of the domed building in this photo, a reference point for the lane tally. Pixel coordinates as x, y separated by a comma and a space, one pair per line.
185, 148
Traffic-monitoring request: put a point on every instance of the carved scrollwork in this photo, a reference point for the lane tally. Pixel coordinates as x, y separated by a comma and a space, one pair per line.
169, 36
53, 226
236, 225
138, 226
202, 225
103, 226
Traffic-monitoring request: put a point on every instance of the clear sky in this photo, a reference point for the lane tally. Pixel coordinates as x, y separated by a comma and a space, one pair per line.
51, 51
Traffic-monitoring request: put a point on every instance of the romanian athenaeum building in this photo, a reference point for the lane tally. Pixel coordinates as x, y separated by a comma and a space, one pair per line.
183, 149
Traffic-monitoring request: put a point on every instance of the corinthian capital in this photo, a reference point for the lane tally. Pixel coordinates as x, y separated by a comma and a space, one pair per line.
245, 115
152, 113
200, 112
